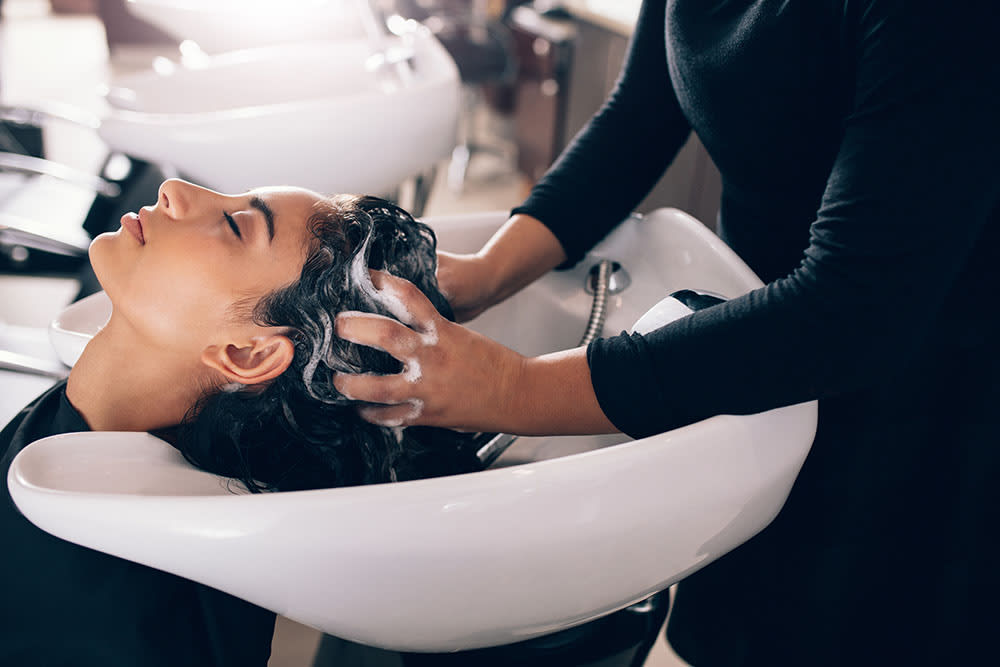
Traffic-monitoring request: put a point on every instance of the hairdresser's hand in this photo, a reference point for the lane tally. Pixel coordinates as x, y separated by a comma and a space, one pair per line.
452, 376
457, 378
521, 251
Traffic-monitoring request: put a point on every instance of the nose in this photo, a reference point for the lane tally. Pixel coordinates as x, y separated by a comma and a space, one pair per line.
180, 199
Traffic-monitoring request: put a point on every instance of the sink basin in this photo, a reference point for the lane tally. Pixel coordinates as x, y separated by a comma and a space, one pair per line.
320, 115
566, 530
70, 332
225, 25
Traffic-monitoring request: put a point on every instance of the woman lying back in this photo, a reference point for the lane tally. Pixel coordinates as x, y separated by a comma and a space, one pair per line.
220, 339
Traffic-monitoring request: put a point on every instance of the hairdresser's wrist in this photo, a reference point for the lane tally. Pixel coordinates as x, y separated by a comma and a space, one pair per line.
518, 254
553, 395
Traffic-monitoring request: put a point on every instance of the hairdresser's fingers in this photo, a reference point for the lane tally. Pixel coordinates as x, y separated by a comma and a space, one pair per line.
414, 306
379, 332
384, 389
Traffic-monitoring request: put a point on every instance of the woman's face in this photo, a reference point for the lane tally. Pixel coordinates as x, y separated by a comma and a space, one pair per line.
175, 270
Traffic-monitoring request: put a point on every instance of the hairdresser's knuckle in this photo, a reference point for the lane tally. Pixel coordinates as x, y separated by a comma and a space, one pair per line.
381, 330
413, 295
387, 392
431, 412
429, 359
411, 292
384, 332
379, 394
399, 339
438, 356
388, 331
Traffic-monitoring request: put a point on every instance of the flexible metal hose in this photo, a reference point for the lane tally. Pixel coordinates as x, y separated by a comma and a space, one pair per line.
599, 308
492, 445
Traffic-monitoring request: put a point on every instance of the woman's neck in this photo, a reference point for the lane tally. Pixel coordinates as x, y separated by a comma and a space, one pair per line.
119, 384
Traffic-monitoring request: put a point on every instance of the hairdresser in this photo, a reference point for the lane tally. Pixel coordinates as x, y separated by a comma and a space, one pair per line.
859, 144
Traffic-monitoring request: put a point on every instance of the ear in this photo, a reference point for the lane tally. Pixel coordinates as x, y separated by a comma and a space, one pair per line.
265, 358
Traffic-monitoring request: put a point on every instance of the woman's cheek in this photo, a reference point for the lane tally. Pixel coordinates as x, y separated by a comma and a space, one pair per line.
175, 308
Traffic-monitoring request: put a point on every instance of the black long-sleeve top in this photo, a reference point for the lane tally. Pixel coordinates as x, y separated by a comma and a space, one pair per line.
859, 147
65, 605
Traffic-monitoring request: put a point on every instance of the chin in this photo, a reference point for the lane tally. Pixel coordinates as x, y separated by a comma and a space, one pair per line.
102, 258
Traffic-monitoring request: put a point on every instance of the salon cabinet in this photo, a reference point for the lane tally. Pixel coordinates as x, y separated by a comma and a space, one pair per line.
567, 67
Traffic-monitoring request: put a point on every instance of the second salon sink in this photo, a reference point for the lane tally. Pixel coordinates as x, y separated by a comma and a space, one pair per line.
327, 115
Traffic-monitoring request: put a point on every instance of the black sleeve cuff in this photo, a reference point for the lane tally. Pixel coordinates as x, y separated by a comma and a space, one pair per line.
619, 376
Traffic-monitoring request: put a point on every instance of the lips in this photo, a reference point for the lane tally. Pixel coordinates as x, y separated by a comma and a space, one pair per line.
132, 224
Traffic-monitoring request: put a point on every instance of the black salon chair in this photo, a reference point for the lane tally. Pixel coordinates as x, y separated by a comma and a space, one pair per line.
621, 639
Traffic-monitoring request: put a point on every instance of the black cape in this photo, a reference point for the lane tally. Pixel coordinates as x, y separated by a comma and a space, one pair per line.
63, 604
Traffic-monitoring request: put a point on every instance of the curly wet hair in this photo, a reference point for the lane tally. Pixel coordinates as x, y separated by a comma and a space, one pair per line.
299, 432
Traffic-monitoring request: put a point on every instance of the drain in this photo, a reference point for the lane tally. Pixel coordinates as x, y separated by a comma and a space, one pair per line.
618, 281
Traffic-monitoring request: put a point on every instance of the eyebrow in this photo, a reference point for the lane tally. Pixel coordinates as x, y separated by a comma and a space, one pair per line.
258, 203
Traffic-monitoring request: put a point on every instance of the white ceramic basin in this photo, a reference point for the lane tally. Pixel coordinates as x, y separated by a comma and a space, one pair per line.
471, 560
224, 25
70, 332
314, 114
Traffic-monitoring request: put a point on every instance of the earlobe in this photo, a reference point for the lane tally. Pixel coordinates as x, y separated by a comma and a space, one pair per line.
265, 358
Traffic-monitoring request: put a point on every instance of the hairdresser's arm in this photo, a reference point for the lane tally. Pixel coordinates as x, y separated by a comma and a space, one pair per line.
520, 252
458, 378
599, 179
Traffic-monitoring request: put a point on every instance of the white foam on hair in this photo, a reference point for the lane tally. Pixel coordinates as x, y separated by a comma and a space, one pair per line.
392, 301
416, 409
317, 353
361, 277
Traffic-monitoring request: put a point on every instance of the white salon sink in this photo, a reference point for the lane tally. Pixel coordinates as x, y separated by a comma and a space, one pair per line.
225, 25
316, 114
471, 560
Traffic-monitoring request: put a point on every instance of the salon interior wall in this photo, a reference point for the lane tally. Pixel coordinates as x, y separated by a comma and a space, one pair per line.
692, 183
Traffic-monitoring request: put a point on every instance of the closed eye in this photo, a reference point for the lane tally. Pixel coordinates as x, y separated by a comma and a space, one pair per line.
233, 225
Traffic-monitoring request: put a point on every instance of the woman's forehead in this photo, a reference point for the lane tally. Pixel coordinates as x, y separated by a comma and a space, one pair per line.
287, 192
288, 204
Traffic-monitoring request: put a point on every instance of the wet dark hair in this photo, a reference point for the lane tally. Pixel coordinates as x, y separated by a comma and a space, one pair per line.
299, 432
